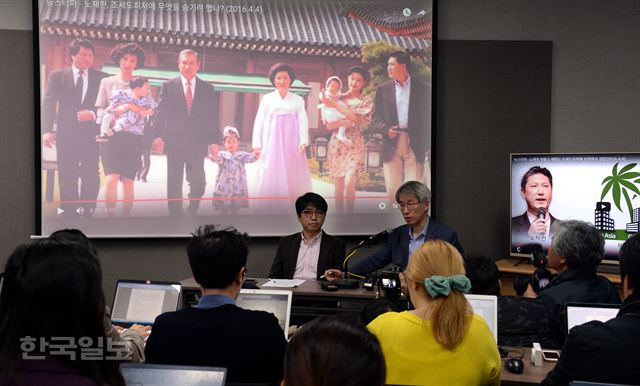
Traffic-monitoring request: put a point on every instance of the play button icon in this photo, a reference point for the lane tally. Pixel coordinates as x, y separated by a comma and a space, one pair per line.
60, 211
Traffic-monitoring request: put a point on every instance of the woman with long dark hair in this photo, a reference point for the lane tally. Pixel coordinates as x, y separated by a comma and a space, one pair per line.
52, 296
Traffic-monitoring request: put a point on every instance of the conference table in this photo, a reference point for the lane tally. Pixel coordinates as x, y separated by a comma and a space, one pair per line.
309, 299
532, 375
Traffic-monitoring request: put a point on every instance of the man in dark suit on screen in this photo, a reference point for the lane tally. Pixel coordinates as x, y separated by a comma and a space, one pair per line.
186, 122
69, 107
413, 198
534, 225
402, 114
308, 254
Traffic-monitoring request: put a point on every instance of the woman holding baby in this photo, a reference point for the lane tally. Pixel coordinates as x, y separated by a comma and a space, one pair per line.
346, 157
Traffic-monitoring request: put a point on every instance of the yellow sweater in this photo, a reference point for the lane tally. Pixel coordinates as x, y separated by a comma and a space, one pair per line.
414, 357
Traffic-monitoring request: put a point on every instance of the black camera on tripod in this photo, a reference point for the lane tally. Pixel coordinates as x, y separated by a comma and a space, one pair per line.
541, 277
389, 282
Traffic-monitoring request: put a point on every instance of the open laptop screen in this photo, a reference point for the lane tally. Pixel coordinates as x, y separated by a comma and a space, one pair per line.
142, 301
487, 307
137, 374
580, 313
274, 301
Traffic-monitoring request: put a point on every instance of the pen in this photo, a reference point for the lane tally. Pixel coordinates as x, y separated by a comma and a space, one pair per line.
322, 277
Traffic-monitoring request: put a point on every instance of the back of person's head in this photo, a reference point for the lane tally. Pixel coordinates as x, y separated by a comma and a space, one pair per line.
520, 284
377, 307
580, 243
217, 255
630, 262
451, 313
53, 288
331, 351
312, 199
74, 236
483, 273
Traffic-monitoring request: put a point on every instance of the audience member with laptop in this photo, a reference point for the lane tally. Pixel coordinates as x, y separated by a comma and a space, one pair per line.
606, 352
575, 252
433, 343
216, 332
521, 320
133, 337
52, 311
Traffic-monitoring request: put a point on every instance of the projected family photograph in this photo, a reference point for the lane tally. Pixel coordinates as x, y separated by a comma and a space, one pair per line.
196, 108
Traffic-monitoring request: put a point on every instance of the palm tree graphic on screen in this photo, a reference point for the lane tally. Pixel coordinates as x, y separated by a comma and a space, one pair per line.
622, 183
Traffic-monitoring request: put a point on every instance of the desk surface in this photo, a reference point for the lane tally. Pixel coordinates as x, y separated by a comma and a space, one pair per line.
507, 266
310, 288
531, 375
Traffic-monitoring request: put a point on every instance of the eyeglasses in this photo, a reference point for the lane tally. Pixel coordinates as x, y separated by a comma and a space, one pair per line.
310, 213
408, 205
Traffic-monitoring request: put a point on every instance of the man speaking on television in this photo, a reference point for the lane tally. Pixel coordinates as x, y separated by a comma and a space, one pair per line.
534, 225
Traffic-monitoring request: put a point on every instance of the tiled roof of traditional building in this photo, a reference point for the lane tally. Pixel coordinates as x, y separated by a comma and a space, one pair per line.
310, 27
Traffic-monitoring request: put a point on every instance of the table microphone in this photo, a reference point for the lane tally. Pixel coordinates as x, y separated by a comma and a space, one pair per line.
378, 237
372, 240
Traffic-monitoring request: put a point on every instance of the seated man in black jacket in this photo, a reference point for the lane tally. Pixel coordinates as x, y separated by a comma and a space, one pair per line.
576, 250
308, 254
215, 332
606, 352
521, 321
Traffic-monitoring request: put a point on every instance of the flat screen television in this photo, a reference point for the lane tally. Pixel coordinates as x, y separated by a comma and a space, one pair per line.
600, 188
107, 189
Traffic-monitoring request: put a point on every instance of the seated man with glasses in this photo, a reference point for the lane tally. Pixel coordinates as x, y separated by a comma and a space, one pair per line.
308, 254
413, 200
216, 332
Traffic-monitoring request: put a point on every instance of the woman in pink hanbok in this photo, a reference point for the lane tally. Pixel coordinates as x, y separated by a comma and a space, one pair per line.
281, 137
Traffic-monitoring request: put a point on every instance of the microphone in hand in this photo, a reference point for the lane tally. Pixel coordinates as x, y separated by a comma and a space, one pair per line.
542, 213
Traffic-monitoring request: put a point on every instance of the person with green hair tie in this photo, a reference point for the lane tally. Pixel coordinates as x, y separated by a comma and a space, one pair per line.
441, 341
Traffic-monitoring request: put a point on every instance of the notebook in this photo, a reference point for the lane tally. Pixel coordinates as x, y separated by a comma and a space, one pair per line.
142, 374
277, 302
487, 307
140, 302
580, 313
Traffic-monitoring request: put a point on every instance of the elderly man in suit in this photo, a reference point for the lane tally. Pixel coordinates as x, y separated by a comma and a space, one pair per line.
69, 107
308, 254
402, 114
413, 198
186, 122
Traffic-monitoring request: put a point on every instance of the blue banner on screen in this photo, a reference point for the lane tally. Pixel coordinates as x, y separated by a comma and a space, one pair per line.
602, 189
158, 116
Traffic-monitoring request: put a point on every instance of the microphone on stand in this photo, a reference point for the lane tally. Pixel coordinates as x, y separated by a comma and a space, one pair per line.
378, 237
372, 240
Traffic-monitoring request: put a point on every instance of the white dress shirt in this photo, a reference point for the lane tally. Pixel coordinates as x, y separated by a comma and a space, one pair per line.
307, 264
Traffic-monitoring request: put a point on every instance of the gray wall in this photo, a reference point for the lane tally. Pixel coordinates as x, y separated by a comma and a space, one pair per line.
595, 80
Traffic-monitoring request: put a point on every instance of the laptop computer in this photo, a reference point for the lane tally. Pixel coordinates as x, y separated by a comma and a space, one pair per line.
140, 301
487, 307
141, 374
580, 313
277, 302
